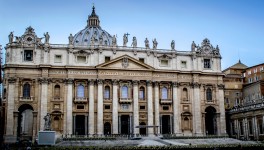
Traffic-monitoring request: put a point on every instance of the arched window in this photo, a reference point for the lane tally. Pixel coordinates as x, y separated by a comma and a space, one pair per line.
26, 90
141, 93
57, 91
208, 94
185, 94
107, 92
124, 91
164, 93
80, 91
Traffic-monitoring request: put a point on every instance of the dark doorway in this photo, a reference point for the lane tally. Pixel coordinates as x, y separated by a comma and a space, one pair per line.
165, 123
25, 122
142, 131
210, 121
80, 125
125, 124
107, 128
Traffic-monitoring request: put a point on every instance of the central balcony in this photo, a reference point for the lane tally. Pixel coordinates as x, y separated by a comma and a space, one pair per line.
125, 100
82, 100
165, 101
26, 99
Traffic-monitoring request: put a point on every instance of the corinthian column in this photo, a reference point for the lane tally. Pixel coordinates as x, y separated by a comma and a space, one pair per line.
91, 107
43, 101
100, 112
222, 109
69, 107
157, 119
150, 108
115, 108
176, 104
197, 126
10, 107
135, 106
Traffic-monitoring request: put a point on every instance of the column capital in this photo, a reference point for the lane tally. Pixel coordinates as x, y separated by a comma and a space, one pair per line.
149, 83
221, 86
91, 81
100, 81
195, 85
156, 83
69, 81
115, 81
11, 80
175, 84
135, 82
44, 80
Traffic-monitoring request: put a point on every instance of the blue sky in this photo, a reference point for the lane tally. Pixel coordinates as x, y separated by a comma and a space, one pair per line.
237, 26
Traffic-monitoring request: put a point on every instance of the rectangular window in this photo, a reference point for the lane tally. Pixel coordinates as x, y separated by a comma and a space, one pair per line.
125, 106
165, 107
107, 107
241, 128
250, 127
207, 63
80, 106
81, 59
28, 55
107, 58
141, 60
183, 64
142, 107
249, 72
57, 59
164, 63
260, 127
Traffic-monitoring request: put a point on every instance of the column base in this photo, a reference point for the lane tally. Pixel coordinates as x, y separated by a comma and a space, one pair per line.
10, 139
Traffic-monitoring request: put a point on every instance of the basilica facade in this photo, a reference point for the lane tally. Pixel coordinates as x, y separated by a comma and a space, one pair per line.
92, 86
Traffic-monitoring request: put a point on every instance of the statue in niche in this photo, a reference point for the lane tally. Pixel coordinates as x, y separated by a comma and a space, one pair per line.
173, 45
155, 43
193, 46
134, 42
147, 43
125, 39
47, 124
114, 40
46, 35
11, 36
70, 39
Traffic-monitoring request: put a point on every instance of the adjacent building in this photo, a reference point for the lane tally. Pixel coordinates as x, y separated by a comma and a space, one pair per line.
92, 86
247, 114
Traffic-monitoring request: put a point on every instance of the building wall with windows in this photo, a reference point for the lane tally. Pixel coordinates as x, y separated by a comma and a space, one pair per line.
91, 86
246, 119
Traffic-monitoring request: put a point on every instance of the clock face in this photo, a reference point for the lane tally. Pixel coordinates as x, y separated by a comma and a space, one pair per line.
29, 39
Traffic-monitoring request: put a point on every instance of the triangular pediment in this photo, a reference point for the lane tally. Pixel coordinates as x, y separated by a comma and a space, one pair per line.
125, 62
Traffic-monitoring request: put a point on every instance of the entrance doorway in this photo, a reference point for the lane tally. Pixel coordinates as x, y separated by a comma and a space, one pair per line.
210, 121
142, 131
107, 128
125, 123
25, 122
80, 125
165, 124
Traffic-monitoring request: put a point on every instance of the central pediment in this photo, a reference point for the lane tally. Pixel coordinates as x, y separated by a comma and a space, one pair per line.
125, 62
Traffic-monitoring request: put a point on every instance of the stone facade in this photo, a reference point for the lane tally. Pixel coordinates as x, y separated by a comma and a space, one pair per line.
101, 88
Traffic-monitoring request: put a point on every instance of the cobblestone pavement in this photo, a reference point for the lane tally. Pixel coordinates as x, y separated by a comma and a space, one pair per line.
153, 141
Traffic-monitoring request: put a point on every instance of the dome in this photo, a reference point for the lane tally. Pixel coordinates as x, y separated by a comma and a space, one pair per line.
92, 34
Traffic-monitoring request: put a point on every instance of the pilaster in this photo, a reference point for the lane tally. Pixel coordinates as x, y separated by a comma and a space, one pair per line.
69, 117
157, 116
115, 108
176, 104
10, 106
43, 101
100, 113
150, 108
135, 107
197, 115
222, 109
91, 107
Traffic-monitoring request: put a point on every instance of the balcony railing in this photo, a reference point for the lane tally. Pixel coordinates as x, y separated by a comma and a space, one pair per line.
254, 105
125, 100
80, 100
26, 99
165, 101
